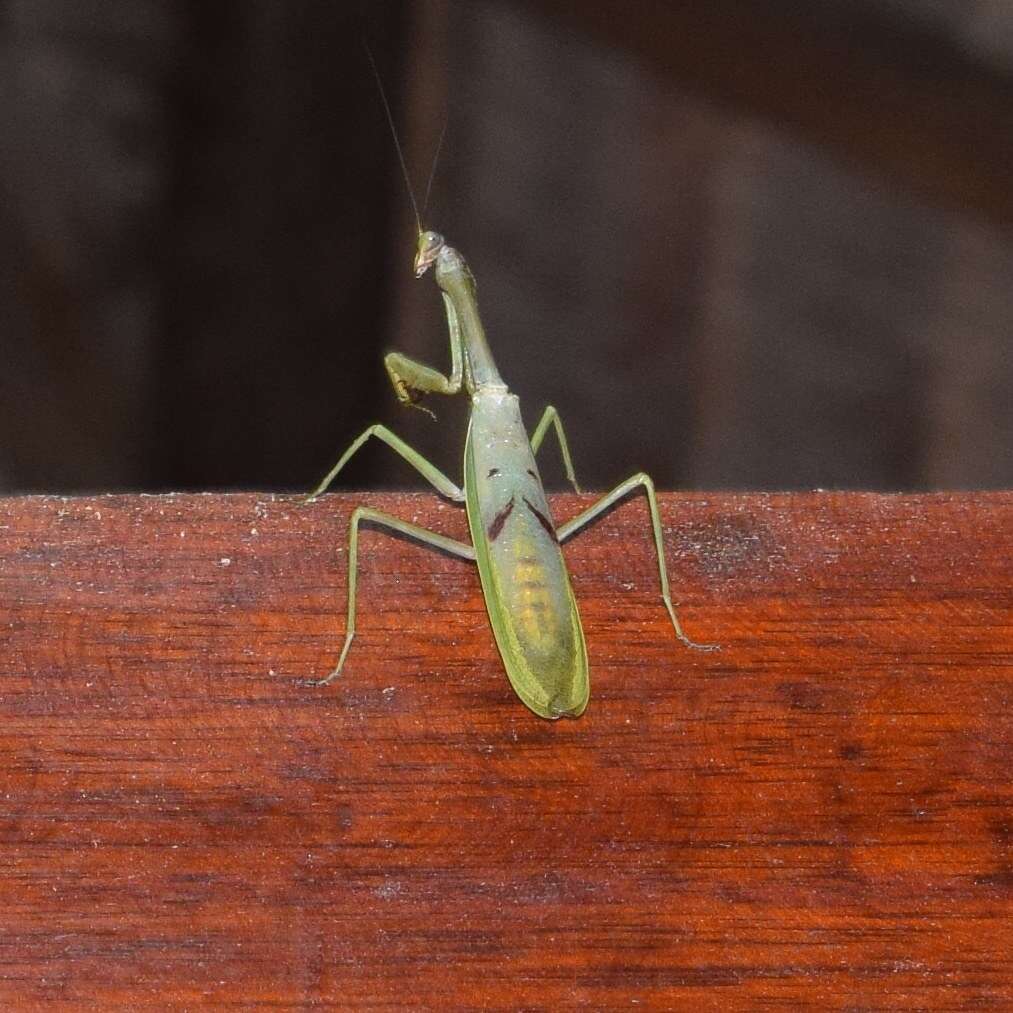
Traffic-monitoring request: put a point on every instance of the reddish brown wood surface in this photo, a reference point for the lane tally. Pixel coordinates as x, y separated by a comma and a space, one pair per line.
817, 817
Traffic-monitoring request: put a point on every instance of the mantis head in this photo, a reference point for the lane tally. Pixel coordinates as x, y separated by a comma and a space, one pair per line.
428, 249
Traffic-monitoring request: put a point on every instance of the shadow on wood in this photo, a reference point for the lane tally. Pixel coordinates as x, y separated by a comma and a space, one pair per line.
819, 815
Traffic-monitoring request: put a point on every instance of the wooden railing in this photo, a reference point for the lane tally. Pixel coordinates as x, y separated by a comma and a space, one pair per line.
819, 816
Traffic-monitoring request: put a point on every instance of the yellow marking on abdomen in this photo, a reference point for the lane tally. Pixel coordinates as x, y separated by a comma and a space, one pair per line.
536, 619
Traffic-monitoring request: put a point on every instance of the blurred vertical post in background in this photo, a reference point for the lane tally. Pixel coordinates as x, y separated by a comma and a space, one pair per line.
738, 244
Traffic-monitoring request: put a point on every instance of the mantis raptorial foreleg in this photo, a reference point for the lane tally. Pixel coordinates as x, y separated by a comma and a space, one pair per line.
411, 379
574, 525
551, 415
428, 471
432, 538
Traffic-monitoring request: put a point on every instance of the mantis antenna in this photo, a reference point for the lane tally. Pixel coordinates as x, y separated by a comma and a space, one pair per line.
397, 145
432, 168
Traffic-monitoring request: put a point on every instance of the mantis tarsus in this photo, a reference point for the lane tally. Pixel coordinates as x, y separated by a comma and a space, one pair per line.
514, 540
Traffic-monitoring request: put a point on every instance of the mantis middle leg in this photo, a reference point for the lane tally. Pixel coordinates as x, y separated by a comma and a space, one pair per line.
551, 415
428, 471
424, 535
571, 527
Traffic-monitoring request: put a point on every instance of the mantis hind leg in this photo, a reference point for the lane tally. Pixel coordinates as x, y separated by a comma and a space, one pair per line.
571, 527
550, 415
423, 535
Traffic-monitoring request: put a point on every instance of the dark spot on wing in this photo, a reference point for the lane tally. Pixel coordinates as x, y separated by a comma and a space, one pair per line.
492, 471
500, 519
532, 474
542, 519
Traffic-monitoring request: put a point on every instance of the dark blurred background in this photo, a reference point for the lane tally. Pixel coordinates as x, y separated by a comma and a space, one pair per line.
738, 243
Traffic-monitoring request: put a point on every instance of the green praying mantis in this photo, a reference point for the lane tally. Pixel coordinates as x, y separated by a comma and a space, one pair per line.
514, 539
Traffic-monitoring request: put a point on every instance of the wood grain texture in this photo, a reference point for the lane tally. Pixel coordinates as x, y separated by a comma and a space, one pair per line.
817, 817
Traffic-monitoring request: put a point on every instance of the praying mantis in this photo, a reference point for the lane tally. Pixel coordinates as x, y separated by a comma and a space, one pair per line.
514, 539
